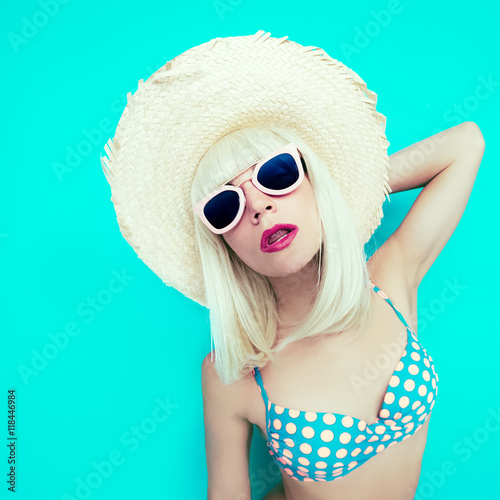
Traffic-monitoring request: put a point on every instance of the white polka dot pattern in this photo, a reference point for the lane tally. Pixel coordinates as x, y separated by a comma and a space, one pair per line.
316, 446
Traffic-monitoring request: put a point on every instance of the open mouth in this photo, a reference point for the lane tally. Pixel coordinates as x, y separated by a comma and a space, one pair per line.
278, 237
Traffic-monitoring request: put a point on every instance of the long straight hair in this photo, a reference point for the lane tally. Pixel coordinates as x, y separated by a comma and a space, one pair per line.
242, 302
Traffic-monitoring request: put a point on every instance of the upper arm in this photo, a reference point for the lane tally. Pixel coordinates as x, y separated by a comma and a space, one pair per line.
228, 437
438, 208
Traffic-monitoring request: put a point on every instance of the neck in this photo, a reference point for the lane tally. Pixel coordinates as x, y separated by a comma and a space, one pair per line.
295, 294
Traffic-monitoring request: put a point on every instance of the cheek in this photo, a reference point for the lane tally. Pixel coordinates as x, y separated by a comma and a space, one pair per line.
309, 209
234, 241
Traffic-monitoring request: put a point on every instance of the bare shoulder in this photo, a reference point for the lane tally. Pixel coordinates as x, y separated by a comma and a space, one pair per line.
387, 271
231, 395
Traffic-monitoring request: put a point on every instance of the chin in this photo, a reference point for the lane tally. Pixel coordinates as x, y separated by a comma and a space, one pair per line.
294, 267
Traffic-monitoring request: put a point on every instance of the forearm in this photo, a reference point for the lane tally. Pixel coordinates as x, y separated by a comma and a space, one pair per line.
416, 165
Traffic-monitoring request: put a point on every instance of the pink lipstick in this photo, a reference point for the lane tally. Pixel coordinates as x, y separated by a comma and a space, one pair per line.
278, 237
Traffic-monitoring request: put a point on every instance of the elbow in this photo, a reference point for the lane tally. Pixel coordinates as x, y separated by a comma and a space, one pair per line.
473, 136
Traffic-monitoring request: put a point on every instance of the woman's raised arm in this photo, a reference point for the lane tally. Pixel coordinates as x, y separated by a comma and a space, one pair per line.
446, 164
228, 436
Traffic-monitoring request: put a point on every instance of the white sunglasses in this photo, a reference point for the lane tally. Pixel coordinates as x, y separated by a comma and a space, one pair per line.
278, 173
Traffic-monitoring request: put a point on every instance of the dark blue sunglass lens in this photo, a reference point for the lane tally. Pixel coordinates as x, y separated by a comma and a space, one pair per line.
222, 209
279, 172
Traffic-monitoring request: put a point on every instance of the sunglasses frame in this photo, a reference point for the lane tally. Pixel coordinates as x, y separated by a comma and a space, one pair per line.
289, 148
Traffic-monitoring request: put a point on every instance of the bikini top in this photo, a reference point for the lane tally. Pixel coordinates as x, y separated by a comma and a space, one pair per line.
323, 446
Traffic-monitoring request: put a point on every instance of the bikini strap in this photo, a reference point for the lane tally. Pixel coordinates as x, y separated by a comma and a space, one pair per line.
377, 290
258, 378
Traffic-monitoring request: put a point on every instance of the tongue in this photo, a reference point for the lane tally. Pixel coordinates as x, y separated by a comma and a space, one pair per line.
277, 235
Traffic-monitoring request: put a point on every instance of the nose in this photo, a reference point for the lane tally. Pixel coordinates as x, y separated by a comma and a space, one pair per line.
257, 202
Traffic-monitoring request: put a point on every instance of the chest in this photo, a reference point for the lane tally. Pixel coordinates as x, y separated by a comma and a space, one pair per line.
347, 373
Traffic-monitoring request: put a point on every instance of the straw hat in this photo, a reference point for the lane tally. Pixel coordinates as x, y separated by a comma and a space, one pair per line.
212, 89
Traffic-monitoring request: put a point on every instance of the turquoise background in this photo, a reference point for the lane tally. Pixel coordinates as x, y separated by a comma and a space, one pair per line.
66, 69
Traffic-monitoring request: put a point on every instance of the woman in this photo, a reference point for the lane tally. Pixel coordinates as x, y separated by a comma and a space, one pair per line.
248, 173
324, 373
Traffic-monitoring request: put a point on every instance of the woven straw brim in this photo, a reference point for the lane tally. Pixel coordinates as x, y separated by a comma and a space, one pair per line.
181, 110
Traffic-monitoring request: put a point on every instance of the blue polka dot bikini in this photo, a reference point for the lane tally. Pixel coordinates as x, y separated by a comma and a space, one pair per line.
316, 446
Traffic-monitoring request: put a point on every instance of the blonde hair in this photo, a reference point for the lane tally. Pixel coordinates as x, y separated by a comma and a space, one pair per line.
242, 302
